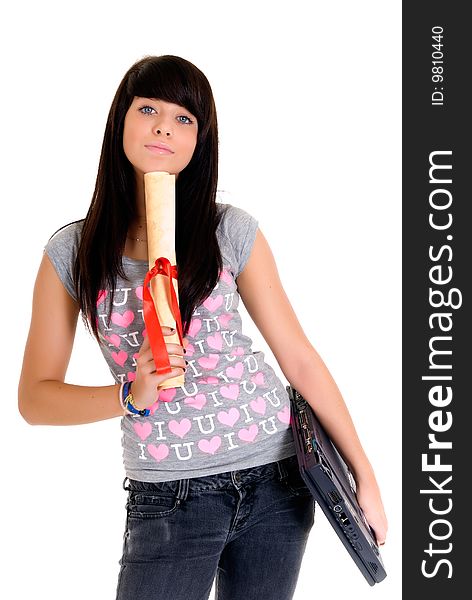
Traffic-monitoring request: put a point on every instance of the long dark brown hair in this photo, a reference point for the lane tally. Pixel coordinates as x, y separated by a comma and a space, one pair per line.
113, 207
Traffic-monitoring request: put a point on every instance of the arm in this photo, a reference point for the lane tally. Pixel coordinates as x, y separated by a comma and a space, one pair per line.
261, 290
43, 397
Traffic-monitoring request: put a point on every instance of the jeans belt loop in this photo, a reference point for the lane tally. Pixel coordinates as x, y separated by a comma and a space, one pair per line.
182, 489
282, 470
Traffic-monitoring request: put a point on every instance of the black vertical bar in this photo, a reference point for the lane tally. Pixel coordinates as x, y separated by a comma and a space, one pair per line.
437, 253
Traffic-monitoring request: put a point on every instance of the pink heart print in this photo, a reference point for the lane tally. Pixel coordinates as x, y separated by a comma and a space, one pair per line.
158, 453
114, 339
284, 415
139, 292
123, 320
226, 277
248, 435
194, 327
143, 430
209, 362
119, 357
230, 391
180, 429
236, 371
228, 418
102, 294
215, 341
258, 405
154, 407
213, 304
208, 380
237, 351
210, 446
131, 375
197, 401
225, 319
258, 378
190, 350
167, 395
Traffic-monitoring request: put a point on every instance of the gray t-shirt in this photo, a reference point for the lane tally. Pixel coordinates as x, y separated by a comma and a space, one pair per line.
233, 412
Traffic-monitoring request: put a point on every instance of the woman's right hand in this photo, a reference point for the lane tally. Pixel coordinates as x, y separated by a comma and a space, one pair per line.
144, 388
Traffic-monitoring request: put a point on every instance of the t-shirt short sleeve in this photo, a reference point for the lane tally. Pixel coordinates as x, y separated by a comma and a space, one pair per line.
240, 228
62, 250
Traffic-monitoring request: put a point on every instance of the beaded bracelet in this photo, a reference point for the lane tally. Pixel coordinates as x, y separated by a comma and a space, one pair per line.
126, 399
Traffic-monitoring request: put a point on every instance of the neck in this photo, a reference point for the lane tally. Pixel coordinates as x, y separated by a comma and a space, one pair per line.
140, 201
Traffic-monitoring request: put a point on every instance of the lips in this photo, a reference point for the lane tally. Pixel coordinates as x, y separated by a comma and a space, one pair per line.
159, 148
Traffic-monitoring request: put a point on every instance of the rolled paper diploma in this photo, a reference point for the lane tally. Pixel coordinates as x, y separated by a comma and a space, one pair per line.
159, 191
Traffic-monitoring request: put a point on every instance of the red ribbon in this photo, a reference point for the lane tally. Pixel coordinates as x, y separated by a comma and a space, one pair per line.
162, 266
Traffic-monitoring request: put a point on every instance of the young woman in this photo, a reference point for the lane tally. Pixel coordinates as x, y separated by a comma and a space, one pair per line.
213, 483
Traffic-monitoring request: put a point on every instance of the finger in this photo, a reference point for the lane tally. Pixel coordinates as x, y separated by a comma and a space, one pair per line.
145, 362
178, 363
176, 372
175, 349
146, 345
167, 330
380, 539
146, 342
147, 357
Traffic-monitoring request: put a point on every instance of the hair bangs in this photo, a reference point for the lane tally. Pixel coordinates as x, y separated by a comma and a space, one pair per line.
173, 79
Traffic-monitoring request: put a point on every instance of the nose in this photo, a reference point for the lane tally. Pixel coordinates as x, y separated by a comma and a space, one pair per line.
160, 131
163, 127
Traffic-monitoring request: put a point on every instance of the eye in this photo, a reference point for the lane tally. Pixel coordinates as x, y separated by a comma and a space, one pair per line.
187, 121
146, 110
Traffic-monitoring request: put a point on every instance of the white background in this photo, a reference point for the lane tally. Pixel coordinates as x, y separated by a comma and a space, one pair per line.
308, 99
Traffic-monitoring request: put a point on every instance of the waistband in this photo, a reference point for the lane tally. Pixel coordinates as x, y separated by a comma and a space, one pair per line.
230, 479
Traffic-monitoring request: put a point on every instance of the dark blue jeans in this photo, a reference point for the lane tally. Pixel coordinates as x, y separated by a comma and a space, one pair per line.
249, 528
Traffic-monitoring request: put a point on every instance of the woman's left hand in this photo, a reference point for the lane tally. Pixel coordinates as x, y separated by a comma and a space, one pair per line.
368, 496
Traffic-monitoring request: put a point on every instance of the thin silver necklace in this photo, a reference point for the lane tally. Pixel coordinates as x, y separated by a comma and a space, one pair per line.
136, 239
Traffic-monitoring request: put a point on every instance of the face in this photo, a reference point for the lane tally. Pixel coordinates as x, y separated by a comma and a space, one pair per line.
159, 136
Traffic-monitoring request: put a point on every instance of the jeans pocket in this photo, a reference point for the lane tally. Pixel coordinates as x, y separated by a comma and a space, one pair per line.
295, 482
145, 505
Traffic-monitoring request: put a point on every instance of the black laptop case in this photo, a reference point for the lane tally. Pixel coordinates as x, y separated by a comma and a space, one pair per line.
328, 478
